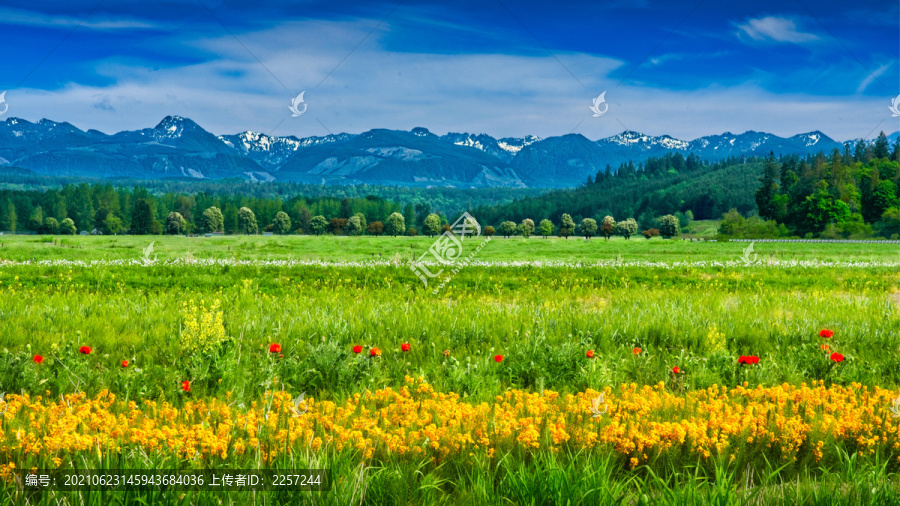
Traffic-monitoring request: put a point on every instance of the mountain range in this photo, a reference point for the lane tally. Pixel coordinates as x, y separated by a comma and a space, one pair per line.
179, 148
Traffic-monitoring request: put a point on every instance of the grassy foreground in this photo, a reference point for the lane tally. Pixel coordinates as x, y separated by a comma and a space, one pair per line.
493, 400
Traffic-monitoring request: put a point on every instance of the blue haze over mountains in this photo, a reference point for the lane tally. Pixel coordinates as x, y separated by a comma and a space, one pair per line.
178, 148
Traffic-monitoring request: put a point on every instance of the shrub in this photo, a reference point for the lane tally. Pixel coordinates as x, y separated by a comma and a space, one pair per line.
650, 232
67, 227
375, 228
337, 225
669, 226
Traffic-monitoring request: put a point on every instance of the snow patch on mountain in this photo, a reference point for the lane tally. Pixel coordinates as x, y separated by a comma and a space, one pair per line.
398, 153
515, 144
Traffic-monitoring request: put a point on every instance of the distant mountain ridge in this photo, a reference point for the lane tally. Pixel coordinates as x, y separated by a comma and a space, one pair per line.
179, 148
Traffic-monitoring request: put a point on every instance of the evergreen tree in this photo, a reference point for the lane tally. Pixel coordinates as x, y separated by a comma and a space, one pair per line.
881, 149
141, 218
8, 218
36, 220
767, 192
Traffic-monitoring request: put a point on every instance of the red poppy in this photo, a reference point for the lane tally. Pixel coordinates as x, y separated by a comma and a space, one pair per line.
374, 352
676, 370
446, 353
280, 355
274, 348
85, 350
636, 351
749, 360
357, 349
590, 354
124, 363
825, 333
837, 357
37, 359
405, 346
498, 358
825, 347
186, 385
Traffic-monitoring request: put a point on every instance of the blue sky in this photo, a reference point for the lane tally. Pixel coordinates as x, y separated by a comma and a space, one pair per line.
506, 68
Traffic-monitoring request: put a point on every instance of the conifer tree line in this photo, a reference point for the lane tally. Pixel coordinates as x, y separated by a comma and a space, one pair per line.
854, 193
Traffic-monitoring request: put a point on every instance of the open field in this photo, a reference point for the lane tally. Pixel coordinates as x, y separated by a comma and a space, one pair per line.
344, 248
494, 400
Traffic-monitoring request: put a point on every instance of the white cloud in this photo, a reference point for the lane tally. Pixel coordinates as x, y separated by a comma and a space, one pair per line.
774, 28
10, 16
498, 94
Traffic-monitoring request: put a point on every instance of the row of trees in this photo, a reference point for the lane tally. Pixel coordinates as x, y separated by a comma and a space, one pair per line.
669, 226
109, 210
102, 208
213, 220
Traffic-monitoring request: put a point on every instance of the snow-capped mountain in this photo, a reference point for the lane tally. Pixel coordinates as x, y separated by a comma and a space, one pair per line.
178, 147
635, 139
504, 149
272, 151
515, 144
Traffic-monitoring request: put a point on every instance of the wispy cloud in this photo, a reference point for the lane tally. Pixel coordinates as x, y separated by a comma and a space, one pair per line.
872, 77
774, 29
9, 16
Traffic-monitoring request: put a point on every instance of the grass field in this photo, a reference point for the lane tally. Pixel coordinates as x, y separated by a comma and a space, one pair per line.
494, 399
344, 248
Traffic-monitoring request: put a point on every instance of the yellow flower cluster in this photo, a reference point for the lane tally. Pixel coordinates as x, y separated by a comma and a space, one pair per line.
635, 423
204, 325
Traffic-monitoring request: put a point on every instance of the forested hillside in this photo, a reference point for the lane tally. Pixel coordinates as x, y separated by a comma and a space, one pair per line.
653, 188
